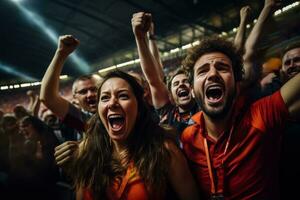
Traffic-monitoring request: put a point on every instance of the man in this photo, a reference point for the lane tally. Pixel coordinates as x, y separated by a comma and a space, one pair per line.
84, 88
234, 147
290, 67
178, 115
291, 61
174, 115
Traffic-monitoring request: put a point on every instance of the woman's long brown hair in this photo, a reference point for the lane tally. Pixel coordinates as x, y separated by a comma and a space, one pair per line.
95, 167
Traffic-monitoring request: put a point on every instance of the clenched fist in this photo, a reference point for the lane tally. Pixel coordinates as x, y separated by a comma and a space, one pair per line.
67, 44
141, 23
245, 12
273, 4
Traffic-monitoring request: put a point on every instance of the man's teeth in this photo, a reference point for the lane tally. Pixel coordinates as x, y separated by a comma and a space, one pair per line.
214, 87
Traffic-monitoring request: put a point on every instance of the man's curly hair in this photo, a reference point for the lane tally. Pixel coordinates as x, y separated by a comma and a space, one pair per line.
215, 44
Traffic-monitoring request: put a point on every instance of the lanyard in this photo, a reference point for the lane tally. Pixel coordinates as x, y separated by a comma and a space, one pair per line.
212, 176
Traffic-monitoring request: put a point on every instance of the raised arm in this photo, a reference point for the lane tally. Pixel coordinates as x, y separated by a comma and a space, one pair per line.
140, 25
49, 93
251, 66
154, 50
179, 174
30, 94
34, 103
290, 93
36, 106
239, 39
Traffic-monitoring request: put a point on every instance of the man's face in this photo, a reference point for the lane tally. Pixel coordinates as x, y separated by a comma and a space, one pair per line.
291, 63
181, 90
86, 94
214, 84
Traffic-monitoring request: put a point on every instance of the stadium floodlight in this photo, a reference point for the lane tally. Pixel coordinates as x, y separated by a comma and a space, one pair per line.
38, 21
17, 1
13, 71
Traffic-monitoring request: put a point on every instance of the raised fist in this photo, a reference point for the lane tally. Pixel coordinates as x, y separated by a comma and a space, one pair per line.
274, 4
245, 12
67, 44
141, 23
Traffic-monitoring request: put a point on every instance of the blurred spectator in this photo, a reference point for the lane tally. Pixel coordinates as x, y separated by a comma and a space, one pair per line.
33, 172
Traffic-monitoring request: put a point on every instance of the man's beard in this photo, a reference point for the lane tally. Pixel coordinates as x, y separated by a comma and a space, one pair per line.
221, 112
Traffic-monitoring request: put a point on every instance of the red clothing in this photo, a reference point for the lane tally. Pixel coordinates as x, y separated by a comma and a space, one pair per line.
251, 161
131, 188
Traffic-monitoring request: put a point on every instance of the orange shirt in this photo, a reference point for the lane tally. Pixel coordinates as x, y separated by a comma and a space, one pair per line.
251, 161
131, 188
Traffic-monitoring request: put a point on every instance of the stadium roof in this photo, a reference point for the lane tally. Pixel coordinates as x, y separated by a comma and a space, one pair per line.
29, 30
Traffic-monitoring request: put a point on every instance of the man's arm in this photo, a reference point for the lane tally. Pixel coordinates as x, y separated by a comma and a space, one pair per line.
49, 93
34, 103
36, 106
154, 50
252, 72
290, 93
140, 25
239, 39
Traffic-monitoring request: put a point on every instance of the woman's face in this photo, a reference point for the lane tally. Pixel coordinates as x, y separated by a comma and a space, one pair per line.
117, 108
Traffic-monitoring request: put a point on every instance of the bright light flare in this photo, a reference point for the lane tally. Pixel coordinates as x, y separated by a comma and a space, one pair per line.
11, 70
37, 20
16, 1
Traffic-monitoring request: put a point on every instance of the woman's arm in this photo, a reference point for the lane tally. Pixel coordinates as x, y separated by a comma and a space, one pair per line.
179, 174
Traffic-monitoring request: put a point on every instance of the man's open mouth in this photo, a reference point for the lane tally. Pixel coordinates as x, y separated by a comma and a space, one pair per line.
293, 71
92, 102
214, 93
116, 121
183, 92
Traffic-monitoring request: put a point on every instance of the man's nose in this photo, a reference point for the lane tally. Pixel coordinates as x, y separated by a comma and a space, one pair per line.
213, 74
91, 93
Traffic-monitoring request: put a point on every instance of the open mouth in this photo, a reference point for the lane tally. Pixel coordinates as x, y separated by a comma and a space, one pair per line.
92, 102
116, 122
293, 71
214, 93
183, 93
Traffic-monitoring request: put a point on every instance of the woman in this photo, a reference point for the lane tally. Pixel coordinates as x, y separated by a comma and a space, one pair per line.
125, 154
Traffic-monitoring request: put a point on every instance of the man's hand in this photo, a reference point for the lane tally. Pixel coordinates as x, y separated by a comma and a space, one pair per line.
65, 152
141, 23
273, 4
67, 44
245, 13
